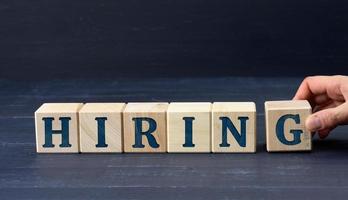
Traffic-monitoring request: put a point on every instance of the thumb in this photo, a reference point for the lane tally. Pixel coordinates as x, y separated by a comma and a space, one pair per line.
328, 118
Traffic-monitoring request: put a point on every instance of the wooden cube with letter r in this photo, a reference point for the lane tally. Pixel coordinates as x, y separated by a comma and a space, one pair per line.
144, 126
57, 129
285, 125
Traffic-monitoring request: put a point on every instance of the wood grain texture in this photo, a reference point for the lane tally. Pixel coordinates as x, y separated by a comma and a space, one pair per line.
320, 174
276, 109
233, 110
155, 111
201, 131
89, 127
55, 111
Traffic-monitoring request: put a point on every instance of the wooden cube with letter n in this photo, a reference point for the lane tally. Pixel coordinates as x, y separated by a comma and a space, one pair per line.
145, 127
189, 127
57, 129
101, 127
285, 125
234, 127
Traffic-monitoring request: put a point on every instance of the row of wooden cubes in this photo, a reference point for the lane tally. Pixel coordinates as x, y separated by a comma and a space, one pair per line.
163, 127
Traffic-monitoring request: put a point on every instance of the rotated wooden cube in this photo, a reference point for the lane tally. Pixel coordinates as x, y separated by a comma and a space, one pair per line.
285, 125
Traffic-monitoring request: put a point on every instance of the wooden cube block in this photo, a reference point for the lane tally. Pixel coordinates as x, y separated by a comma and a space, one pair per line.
101, 127
145, 127
189, 128
233, 127
285, 125
56, 127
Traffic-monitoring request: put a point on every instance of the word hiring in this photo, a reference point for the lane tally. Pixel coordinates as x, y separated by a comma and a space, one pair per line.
175, 127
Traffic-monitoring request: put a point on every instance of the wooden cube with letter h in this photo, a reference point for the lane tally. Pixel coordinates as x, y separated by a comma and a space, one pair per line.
56, 126
234, 127
285, 125
101, 127
145, 127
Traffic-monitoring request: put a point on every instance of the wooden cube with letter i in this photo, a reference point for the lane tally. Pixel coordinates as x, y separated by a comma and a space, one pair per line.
189, 127
101, 127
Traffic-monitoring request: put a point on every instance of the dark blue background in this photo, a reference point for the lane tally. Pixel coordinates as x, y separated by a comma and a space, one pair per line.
87, 42
178, 38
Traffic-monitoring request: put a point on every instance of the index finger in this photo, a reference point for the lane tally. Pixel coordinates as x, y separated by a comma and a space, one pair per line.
315, 86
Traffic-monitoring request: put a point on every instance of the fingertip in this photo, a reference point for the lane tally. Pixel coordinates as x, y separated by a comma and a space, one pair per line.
303, 91
295, 98
313, 123
299, 96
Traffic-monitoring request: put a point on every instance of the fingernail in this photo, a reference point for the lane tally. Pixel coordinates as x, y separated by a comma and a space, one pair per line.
313, 123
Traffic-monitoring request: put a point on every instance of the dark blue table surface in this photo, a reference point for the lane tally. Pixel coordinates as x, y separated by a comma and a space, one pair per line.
24, 174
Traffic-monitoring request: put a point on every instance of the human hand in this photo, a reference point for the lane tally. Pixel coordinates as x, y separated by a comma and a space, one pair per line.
327, 96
